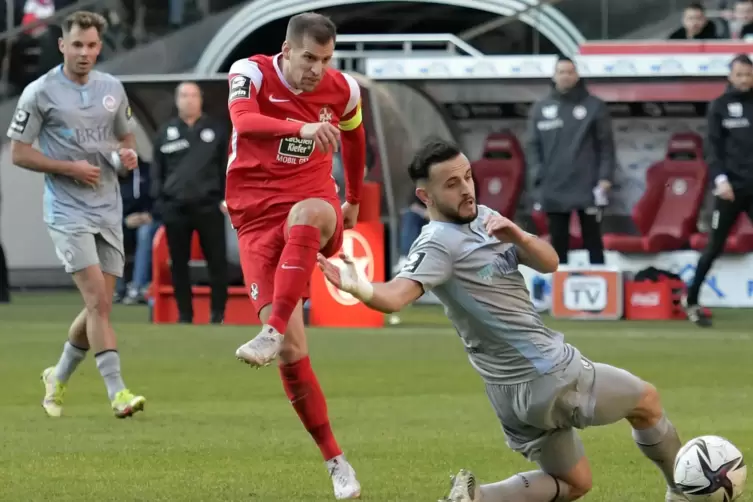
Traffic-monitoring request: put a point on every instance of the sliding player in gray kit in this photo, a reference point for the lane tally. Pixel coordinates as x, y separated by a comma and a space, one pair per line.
80, 119
541, 388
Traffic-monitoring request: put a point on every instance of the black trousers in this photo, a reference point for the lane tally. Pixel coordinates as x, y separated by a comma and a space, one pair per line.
722, 220
590, 224
4, 279
209, 222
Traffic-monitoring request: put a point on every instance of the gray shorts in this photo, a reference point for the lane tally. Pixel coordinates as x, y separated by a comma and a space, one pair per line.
78, 249
539, 417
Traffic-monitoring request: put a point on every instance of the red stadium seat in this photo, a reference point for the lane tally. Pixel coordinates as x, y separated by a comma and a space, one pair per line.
164, 308
740, 239
667, 212
500, 173
541, 222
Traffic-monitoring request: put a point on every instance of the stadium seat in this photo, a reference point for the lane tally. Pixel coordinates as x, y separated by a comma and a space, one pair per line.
740, 239
500, 173
667, 212
164, 308
541, 222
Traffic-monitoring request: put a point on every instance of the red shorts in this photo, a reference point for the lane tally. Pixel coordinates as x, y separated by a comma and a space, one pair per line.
260, 244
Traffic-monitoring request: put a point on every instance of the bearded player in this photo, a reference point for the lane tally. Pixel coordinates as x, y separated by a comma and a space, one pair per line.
541, 387
289, 113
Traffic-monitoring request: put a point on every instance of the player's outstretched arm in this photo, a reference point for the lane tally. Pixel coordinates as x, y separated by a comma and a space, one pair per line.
387, 297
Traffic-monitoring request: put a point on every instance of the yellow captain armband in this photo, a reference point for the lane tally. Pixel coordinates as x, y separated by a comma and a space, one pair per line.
353, 122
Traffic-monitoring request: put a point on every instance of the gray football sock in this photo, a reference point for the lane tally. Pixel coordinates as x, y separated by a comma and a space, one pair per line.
660, 444
108, 364
534, 486
69, 361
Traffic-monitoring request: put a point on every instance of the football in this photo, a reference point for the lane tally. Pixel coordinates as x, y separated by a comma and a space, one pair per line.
710, 468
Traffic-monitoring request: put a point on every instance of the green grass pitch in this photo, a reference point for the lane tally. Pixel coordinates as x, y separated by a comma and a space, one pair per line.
405, 405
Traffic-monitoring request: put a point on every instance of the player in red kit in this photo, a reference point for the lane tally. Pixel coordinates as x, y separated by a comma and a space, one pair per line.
289, 113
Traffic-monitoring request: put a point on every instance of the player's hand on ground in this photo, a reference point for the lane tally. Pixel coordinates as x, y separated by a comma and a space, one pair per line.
502, 228
724, 191
85, 173
344, 275
325, 135
350, 215
128, 158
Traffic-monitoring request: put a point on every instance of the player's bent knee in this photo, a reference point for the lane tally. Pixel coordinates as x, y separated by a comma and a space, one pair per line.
316, 213
649, 409
99, 304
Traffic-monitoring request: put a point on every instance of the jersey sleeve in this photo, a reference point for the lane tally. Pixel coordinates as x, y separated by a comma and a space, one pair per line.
27, 119
429, 263
123, 115
352, 116
245, 79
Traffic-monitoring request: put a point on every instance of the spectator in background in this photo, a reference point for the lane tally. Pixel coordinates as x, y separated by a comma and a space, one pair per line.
695, 25
188, 186
137, 212
571, 157
412, 220
741, 24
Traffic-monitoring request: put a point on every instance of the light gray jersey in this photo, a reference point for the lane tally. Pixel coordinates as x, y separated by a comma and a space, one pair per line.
76, 122
476, 278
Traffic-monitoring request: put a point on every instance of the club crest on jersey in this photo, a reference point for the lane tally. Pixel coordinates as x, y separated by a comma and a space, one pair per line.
295, 150
325, 115
110, 103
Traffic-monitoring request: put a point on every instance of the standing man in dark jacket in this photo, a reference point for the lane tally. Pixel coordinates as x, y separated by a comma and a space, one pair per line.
729, 154
188, 186
571, 160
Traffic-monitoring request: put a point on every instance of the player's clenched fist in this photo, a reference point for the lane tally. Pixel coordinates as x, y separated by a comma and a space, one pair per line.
503, 229
86, 173
128, 158
324, 134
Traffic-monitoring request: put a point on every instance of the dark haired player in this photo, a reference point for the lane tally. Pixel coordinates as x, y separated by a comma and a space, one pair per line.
289, 113
541, 388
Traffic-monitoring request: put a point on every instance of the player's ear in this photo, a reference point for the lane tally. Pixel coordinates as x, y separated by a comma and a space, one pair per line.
286, 50
61, 45
423, 195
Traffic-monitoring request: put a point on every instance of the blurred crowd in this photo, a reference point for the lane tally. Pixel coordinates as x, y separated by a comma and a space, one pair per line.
733, 20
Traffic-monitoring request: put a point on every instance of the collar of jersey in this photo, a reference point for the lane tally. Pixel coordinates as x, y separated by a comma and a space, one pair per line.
70, 82
280, 76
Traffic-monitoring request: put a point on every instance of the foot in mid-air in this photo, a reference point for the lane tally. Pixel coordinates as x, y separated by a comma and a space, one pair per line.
343, 479
54, 391
463, 488
695, 314
263, 349
673, 496
126, 404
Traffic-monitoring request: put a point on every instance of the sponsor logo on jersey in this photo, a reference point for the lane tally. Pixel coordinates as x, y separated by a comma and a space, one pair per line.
240, 88
19, 122
295, 150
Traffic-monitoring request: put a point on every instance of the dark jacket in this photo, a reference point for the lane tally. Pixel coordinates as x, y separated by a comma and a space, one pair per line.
708, 32
729, 140
570, 148
134, 190
189, 164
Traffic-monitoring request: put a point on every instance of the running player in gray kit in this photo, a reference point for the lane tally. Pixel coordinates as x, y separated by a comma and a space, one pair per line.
80, 118
541, 388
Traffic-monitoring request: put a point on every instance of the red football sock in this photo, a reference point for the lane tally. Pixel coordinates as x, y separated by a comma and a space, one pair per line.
302, 388
293, 273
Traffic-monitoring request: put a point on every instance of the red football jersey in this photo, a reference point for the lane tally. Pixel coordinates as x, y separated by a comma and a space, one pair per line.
287, 164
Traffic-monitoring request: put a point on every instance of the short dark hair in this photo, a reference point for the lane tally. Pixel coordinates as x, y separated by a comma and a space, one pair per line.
317, 26
85, 20
433, 151
696, 6
742, 59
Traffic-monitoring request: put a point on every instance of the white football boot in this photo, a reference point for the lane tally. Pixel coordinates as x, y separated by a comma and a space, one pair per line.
263, 349
463, 488
54, 391
343, 479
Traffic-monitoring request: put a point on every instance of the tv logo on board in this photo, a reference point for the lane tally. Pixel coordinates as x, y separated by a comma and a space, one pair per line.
587, 293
